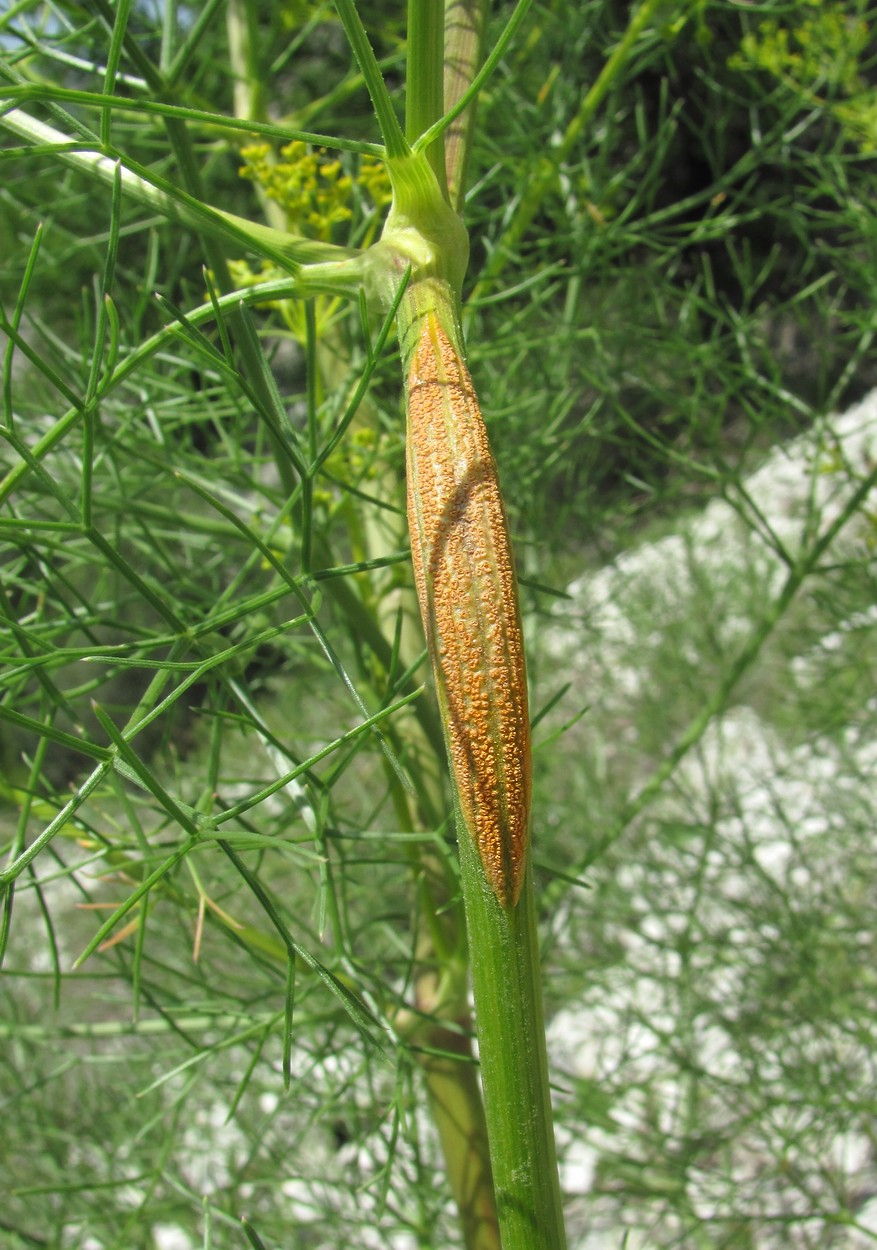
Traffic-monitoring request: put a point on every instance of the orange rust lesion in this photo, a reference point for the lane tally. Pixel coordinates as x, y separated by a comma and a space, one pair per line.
467, 589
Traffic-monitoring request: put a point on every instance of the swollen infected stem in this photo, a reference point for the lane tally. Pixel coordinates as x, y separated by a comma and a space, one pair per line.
468, 598
466, 586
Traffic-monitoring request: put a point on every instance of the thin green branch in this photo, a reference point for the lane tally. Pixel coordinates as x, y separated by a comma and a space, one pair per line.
394, 140
219, 122
114, 57
142, 184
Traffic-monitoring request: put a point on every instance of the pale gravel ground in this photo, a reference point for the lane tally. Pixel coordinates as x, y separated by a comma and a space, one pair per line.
714, 551
783, 812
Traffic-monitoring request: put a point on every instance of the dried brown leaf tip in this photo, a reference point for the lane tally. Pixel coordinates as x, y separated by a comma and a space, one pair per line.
468, 596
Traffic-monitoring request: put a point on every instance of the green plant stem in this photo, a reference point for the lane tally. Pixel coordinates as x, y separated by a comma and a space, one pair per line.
249, 89
216, 123
465, 24
439, 1028
287, 251
506, 984
391, 132
424, 235
424, 100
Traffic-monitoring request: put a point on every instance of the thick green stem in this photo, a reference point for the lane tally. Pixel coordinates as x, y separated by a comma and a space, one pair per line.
506, 983
425, 95
465, 22
424, 235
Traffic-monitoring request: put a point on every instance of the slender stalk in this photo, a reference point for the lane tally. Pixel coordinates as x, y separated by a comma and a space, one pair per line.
545, 175
249, 91
218, 123
425, 97
394, 140
465, 23
286, 250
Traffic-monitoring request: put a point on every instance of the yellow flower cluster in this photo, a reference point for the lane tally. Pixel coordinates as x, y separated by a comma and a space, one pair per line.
820, 52
312, 190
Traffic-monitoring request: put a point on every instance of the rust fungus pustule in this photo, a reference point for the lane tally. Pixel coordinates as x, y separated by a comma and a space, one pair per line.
468, 596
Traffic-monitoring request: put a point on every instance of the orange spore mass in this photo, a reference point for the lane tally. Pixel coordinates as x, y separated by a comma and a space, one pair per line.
468, 596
